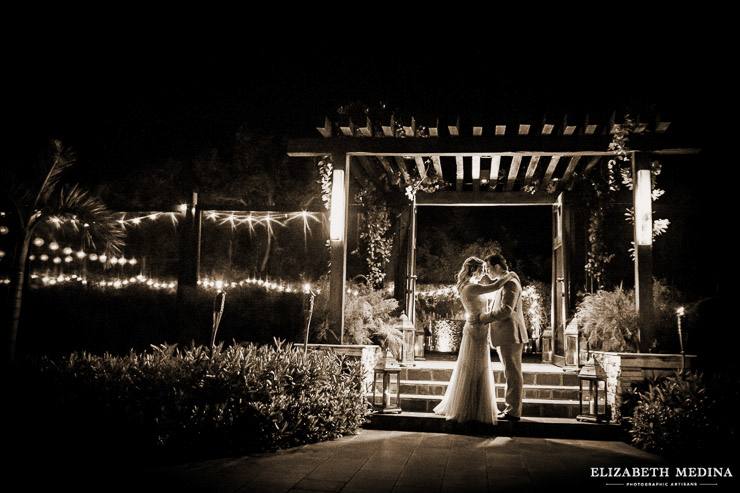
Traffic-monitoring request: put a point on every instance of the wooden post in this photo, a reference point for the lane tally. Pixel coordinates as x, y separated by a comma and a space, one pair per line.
400, 254
189, 271
641, 194
411, 266
338, 257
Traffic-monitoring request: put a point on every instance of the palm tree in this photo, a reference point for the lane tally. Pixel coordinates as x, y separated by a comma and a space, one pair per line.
40, 199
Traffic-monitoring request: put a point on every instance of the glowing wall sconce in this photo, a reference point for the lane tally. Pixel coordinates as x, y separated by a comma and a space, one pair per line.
337, 206
643, 208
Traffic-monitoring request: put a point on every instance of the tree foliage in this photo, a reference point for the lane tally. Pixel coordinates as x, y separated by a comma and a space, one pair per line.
38, 197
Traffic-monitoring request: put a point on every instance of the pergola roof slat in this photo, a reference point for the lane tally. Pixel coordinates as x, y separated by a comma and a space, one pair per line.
554, 160
554, 149
459, 173
531, 168
421, 167
437, 165
476, 173
513, 172
495, 167
404, 170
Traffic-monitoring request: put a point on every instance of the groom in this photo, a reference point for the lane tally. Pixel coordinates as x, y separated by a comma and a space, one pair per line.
508, 334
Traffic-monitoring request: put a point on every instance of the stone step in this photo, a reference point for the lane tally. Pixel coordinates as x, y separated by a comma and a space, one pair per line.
431, 387
549, 391
531, 376
553, 408
541, 427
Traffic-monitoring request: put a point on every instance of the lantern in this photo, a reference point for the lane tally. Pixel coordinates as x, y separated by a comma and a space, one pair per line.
592, 393
409, 339
571, 345
337, 209
387, 385
547, 346
643, 208
419, 342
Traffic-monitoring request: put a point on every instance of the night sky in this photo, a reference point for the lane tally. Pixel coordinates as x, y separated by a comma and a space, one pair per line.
128, 107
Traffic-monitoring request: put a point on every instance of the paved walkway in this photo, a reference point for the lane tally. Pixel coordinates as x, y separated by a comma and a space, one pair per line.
397, 461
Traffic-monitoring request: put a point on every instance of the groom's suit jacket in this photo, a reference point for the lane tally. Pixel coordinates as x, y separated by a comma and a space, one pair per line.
507, 317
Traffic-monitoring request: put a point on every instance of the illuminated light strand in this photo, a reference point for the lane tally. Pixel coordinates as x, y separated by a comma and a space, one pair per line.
80, 255
280, 286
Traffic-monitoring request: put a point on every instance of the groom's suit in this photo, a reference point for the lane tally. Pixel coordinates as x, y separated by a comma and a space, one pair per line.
508, 335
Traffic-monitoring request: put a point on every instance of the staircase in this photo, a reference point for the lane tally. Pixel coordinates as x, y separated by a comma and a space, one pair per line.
548, 390
550, 404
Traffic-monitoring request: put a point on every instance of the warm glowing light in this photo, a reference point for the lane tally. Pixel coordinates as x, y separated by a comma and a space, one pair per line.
80, 254
68, 258
67, 251
337, 206
54, 246
680, 312
643, 208
38, 242
44, 257
93, 257
57, 260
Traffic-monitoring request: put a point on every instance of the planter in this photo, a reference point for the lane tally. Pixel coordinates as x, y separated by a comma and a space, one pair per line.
368, 354
624, 370
445, 335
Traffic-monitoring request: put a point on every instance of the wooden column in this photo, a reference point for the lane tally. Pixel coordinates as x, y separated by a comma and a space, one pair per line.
188, 273
641, 192
400, 254
411, 265
338, 256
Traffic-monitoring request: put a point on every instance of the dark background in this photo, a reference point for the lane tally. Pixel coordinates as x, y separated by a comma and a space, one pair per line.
129, 107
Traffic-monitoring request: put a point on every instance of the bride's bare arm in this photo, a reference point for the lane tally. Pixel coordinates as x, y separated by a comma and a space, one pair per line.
480, 289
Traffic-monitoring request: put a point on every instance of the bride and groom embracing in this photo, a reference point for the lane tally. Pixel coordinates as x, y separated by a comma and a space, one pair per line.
471, 394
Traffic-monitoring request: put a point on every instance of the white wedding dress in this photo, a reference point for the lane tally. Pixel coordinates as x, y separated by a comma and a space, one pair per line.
471, 394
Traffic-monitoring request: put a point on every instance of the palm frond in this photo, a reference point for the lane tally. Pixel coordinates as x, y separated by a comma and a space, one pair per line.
53, 162
77, 209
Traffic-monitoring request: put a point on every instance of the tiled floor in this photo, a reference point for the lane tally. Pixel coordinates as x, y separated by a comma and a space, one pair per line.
395, 461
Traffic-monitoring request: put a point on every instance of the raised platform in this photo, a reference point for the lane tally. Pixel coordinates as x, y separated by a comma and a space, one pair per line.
528, 426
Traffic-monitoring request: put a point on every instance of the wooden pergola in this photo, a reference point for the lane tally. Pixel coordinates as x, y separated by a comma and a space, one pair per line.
490, 163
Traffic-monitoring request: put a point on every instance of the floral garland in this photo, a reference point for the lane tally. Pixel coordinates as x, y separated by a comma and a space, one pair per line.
598, 255
425, 183
619, 146
378, 243
619, 174
325, 180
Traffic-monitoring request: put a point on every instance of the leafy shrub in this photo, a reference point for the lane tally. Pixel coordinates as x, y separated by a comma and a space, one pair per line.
437, 302
209, 401
536, 307
609, 321
369, 318
685, 415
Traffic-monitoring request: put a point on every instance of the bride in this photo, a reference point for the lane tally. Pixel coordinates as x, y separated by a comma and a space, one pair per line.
471, 395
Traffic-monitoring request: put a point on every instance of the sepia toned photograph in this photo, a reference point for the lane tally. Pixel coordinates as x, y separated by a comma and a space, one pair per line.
354, 268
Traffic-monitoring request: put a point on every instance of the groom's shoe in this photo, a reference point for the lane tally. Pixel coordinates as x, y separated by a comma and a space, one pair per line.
508, 417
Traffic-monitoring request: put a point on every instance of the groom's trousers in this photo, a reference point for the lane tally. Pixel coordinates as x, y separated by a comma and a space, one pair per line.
511, 357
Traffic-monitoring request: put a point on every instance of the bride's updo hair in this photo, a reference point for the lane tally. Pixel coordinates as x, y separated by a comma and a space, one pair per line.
470, 267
